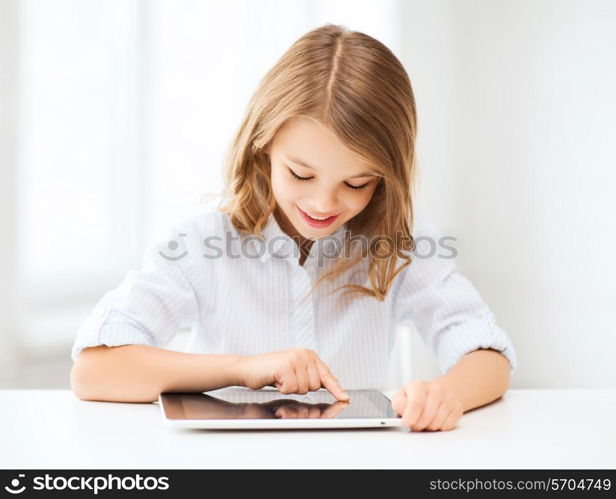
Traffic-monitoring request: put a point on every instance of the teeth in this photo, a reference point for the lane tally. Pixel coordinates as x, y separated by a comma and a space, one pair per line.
313, 217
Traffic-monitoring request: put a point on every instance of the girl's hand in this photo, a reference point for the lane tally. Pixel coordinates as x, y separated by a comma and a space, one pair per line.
427, 405
297, 370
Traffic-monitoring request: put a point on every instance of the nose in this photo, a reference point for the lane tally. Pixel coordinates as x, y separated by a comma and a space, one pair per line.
325, 203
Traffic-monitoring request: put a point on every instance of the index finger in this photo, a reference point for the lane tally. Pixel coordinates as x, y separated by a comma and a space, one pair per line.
330, 382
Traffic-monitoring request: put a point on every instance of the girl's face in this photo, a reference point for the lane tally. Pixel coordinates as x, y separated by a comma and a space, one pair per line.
337, 183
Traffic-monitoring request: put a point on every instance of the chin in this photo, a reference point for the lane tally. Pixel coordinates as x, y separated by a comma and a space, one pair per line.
316, 233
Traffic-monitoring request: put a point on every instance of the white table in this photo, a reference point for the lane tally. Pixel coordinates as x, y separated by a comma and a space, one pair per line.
561, 429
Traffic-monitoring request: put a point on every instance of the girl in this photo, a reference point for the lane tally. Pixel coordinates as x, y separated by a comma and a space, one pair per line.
298, 275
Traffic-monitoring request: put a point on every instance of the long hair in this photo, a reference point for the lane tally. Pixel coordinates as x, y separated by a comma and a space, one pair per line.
354, 85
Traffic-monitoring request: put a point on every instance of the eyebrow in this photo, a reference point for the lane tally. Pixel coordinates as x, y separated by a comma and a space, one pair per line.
303, 163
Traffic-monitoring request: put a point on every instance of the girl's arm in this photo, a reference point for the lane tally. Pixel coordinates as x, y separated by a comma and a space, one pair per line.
117, 353
139, 373
448, 311
479, 378
474, 354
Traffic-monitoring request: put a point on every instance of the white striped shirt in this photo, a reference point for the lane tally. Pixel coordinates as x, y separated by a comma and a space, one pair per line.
247, 298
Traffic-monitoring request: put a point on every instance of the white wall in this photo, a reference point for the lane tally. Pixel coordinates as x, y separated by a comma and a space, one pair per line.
9, 52
517, 142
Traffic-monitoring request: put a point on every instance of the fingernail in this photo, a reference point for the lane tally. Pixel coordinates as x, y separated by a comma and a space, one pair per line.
345, 395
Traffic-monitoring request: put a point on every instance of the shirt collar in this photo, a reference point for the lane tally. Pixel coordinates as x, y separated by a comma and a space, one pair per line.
277, 242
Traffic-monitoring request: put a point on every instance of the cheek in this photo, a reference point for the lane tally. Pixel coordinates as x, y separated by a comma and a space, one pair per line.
358, 201
283, 187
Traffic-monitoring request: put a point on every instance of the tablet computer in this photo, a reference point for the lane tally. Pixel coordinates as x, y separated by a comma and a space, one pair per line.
243, 408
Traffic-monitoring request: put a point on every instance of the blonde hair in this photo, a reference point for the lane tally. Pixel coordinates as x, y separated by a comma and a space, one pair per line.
355, 86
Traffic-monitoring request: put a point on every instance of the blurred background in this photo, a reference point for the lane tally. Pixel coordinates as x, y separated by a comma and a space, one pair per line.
115, 116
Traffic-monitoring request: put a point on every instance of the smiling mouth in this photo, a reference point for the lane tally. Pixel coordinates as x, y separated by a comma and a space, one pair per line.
318, 223
319, 219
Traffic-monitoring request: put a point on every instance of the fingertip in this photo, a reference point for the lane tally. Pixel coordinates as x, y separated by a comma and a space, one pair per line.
336, 390
340, 395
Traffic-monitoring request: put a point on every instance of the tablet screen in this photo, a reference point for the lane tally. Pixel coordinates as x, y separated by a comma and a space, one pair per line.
241, 403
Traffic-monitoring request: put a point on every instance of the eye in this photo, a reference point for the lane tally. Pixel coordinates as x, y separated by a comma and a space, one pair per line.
297, 176
357, 187
354, 187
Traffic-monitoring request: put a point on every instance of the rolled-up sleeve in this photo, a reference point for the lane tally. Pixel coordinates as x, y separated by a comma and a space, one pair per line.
151, 304
445, 307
